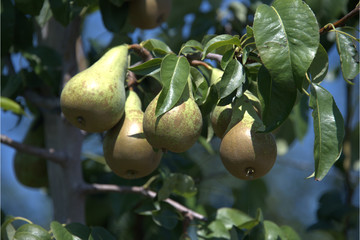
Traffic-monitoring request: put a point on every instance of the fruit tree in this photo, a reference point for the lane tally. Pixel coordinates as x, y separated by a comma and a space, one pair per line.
187, 112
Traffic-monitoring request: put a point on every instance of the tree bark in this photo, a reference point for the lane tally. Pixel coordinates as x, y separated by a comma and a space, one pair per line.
68, 202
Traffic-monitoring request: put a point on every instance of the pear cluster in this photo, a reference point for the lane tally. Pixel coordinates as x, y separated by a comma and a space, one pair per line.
94, 100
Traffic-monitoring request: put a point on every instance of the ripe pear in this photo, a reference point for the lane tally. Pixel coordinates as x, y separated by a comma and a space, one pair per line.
31, 170
247, 154
147, 14
126, 150
94, 99
176, 130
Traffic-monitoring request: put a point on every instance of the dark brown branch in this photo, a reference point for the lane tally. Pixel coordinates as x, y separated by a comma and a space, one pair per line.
131, 80
340, 22
49, 154
97, 188
141, 51
200, 63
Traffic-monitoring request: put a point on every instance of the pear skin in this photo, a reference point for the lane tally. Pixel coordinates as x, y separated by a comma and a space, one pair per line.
126, 150
148, 14
176, 130
94, 99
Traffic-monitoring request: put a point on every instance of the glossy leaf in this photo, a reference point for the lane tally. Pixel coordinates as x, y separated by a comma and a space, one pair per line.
220, 41
177, 183
232, 217
166, 217
211, 100
64, 11
218, 230
232, 79
8, 104
201, 85
287, 37
113, 16
289, 233
300, 117
31, 7
100, 233
147, 67
60, 232
272, 231
31, 231
156, 46
319, 66
174, 75
79, 230
277, 99
191, 44
328, 128
348, 56
227, 57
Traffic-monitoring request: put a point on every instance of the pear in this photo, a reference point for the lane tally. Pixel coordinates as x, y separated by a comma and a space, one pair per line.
176, 130
245, 153
215, 75
94, 99
31, 170
126, 150
147, 14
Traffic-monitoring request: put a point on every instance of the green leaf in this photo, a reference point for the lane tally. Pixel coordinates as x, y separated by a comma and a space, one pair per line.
287, 38
348, 56
220, 41
174, 75
210, 102
218, 230
201, 85
232, 217
232, 79
328, 128
45, 14
277, 99
148, 207
319, 66
147, 67
289, 233
60, 232
64, 11
113, 16
8, 104
166, 217
272, 231
31, 7
300, 117
79, 230
100, 233
189, 45
227, 57
31, 232
177, 183
156, 46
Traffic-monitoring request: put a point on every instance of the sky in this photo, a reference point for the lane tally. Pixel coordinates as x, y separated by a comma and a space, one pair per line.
34, 204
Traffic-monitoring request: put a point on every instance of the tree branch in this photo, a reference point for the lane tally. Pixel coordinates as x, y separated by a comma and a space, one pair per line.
340, 22
49, 154
141, 51
96, 188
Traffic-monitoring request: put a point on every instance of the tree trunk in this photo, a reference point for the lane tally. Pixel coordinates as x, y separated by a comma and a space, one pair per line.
68, 202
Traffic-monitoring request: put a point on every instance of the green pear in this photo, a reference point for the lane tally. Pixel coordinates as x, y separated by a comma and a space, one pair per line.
94, 99
147, 14
31, 170
245, 153
215, 76
176, 130
126, 150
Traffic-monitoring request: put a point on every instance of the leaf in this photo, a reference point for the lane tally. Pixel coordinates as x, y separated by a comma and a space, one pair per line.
166, 217
220, 41
201, 85
289, 233
147, 67
218, 230
78, 230
328, 128
287, 38
60, 232
227, 57
113, 16
45, 14
100, 233
348, 56
210, 102
156, 46
319, 66
31, 7
277, 99
189, 45
232, 79
174, 75
8, 104
272, 231
232, 217
300, 117
177, 183
64, 11
31, 232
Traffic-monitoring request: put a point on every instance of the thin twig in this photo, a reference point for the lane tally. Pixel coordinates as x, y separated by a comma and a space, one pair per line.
340, 22
96, 188
141, 51
200, 63
49, 154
